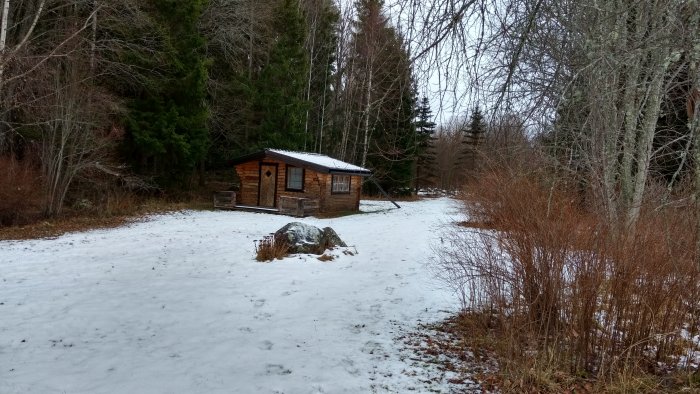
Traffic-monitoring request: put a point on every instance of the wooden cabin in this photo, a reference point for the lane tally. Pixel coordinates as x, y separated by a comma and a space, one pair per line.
296, 183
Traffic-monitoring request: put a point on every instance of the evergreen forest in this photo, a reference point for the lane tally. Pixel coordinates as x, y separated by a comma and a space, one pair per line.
105, 98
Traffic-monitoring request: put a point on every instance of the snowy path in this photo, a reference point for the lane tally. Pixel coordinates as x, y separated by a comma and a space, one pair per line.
177, 304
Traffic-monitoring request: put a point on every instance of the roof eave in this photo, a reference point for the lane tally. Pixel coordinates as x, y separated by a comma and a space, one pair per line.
350, 172
261, 155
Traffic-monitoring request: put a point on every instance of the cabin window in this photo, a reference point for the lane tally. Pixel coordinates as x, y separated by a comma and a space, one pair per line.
295, 178
341, 184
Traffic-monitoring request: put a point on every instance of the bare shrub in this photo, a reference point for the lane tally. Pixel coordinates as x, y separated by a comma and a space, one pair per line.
120, 202
20, 191
270, 248
571, 292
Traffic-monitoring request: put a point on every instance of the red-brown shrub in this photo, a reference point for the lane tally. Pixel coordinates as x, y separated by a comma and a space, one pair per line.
571, 288
20, 191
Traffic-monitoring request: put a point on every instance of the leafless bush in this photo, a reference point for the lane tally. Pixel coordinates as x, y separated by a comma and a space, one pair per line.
570, 289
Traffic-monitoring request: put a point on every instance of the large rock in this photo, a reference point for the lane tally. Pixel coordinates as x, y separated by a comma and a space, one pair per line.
304, 238
330, 239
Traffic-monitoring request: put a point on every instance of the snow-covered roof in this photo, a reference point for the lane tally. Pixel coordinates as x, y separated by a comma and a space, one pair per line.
321, 160
316, 161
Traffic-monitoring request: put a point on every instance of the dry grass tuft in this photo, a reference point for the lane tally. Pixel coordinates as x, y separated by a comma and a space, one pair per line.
326, 257
269, 248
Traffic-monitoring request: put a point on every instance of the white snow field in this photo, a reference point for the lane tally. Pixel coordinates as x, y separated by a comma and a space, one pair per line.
178, 304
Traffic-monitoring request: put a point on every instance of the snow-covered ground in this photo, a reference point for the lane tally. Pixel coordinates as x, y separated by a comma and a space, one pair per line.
177, 304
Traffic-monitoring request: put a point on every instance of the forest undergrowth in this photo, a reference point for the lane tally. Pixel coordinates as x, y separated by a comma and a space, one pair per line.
21, 215
567, 300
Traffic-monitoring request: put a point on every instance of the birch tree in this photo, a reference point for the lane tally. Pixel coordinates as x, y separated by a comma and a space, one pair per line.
321, 43
382, 88
594, 72
26, 17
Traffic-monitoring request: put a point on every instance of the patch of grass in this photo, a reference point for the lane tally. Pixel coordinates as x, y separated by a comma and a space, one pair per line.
56, 227
333, 215
119, 211
482, 335
451, 346
269, 248
395, 198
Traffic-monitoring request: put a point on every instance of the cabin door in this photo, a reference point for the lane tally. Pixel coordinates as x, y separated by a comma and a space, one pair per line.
268, 185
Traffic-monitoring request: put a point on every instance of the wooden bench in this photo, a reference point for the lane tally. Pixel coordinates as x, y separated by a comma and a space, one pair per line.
225, 200
298, 206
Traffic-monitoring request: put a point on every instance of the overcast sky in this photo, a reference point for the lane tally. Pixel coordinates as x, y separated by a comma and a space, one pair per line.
437, 78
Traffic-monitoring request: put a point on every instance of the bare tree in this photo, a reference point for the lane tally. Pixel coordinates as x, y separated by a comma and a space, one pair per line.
73, 136
595, 73
448, 145
57, 55
693, 110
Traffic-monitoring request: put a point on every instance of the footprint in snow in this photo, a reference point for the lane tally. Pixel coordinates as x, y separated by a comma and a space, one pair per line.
357, 328
276, 369
317, 389
376, 311
265, 345
349, 366
372, 347
259, 303
389, 290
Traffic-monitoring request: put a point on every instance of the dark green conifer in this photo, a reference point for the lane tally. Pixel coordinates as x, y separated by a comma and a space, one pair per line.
167, 119
280, 89
425, 154
380, 50
473, 136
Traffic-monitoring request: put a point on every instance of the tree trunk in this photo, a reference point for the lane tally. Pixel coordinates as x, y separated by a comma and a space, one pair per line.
368, 108
693, 106
308, 81
3, 46
645, 143
93, 41
3, 39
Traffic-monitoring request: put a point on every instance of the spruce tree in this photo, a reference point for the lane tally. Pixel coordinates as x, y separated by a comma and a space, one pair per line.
167, 119
280, 90
473, 136
425, 155
477, 127
385, 97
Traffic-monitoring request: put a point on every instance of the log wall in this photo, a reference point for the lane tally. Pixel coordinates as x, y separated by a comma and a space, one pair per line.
249, 173
316, 186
